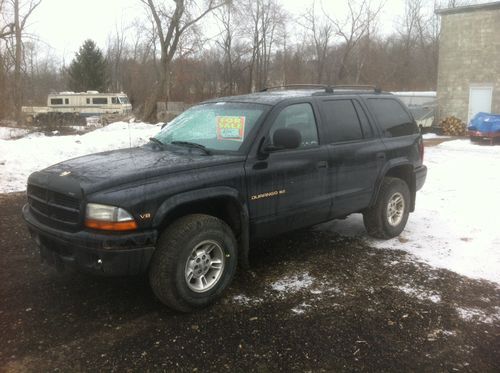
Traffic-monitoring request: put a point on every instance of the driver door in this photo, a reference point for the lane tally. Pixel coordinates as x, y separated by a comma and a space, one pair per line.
290, 188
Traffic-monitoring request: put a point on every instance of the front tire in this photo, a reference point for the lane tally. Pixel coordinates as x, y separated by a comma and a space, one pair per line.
388, 217
194, 262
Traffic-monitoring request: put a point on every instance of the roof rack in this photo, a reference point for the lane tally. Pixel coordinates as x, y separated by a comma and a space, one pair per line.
365, 87
326, 87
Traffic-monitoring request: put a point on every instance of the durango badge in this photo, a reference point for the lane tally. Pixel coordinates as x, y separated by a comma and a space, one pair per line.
65, 173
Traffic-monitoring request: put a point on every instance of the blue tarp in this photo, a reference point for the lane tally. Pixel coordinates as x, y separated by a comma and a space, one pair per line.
484, 122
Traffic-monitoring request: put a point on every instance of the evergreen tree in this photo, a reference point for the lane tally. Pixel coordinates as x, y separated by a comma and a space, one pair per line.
88, 71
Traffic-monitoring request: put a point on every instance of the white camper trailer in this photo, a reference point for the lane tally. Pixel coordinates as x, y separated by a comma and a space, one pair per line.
89, 103
72, 106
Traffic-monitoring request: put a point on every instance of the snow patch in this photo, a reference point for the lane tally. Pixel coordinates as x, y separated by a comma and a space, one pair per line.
474, 314
428, 136
420, 293
293, 284
19, 158
7, 133
301, 308
243, 300
455, 223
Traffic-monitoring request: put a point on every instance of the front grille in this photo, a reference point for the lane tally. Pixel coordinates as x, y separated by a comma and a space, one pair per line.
54, 209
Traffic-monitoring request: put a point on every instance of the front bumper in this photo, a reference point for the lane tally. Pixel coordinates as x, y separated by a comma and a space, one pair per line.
420, 176
111, 254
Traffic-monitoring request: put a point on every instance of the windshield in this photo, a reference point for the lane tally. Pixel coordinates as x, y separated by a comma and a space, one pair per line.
123, 99
216, 126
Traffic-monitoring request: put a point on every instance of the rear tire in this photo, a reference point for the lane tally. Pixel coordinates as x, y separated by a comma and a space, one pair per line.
388, 217
194, 262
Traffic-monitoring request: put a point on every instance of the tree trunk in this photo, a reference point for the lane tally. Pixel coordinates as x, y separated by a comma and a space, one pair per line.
3, 98
18, 98
161, 92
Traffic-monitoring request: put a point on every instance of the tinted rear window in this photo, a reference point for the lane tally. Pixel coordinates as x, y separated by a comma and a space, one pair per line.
342, 121
391, 116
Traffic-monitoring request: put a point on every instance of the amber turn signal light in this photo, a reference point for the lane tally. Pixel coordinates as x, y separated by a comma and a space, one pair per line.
111, 226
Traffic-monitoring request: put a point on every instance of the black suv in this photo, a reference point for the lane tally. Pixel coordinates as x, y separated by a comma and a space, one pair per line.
186, 206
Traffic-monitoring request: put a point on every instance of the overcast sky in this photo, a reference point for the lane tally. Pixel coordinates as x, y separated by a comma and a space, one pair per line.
65, 24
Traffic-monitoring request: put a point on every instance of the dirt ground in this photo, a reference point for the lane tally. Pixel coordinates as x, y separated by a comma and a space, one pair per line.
313, 301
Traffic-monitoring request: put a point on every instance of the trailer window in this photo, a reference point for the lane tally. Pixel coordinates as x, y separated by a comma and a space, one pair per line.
66, 101
56, 101
100, 100
88, 101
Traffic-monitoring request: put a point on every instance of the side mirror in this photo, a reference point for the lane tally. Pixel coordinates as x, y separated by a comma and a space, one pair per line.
286, 138
164, 125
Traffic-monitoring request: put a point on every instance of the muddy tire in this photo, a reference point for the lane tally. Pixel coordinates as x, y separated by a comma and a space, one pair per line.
194, 262
388, 217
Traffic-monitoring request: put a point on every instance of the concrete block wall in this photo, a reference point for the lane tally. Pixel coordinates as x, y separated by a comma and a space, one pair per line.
469, 53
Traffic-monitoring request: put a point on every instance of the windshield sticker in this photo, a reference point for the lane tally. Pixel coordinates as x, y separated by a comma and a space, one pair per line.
230, 128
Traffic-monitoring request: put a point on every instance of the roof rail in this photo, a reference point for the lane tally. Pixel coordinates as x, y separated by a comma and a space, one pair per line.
375, 88
326, 87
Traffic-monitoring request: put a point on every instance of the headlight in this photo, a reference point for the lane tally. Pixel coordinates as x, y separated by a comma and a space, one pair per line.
108, 218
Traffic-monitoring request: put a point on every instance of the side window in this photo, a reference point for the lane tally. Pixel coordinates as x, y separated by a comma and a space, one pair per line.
114, 100
88, 101
365, 124
56, 101
100, 100
342, 120
301, 118
391, 116
66, 101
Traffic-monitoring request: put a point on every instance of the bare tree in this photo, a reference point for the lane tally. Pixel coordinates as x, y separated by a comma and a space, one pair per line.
6, 31
412, 34
321, 33
265, 17
352, 29
456, 3
6, 28
21, 15
226, 16
171, 24
114, 55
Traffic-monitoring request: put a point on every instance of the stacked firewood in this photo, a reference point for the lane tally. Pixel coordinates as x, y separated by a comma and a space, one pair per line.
452, 126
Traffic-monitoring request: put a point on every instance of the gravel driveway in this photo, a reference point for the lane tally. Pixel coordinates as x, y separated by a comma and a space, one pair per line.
313, 301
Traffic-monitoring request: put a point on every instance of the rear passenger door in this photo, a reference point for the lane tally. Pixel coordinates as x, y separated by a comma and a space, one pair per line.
356, 154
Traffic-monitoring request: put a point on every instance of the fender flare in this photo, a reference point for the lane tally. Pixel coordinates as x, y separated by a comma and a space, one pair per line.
207, 193
387, 167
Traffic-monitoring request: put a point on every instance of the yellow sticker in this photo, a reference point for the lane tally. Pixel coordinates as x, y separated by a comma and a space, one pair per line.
230, 128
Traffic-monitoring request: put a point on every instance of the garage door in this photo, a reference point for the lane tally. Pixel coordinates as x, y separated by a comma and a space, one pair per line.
479, 100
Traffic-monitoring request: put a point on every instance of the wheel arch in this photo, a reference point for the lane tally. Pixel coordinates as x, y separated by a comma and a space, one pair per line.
402, 170
225, 203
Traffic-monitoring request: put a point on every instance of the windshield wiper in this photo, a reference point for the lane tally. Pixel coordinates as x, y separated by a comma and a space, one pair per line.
156, 141
192, 145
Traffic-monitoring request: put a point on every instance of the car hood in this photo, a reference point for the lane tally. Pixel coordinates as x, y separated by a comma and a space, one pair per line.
100, 171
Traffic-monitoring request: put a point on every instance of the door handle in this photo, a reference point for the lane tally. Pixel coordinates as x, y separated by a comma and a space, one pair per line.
381, 156
322, 164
